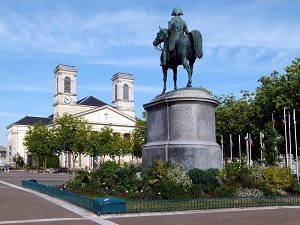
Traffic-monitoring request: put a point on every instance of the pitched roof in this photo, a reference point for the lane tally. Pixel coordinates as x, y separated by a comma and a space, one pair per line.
92, 101
30, 120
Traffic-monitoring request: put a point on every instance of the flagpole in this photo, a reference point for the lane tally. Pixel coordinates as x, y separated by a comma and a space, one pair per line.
250, 147
290, 141
222, 147
230, 137
247, 147
285, 137
296, 146
261, 146
240, 150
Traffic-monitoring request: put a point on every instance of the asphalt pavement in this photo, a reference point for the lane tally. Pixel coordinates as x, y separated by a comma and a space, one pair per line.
23, 206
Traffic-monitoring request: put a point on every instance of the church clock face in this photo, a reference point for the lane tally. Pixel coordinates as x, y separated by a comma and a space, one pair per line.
67, 99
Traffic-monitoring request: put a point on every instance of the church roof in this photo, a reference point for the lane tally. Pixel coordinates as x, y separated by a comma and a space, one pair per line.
30, 120
92, 101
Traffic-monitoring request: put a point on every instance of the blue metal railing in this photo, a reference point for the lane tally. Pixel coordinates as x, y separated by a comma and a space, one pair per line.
108, 205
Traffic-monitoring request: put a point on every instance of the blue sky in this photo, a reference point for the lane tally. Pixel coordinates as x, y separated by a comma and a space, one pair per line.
242, 41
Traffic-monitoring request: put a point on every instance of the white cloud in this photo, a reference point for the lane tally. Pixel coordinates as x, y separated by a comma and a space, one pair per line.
25, 88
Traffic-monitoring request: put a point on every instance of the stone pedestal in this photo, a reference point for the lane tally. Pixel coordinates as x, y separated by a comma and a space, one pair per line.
181, 129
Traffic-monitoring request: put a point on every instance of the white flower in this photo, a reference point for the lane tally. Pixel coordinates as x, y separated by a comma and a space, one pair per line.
159, 193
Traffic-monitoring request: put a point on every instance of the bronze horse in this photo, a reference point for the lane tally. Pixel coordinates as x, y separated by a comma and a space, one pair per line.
185, 53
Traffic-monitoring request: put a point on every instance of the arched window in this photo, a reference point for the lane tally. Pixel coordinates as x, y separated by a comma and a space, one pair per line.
125, 92
116, 92
67, 87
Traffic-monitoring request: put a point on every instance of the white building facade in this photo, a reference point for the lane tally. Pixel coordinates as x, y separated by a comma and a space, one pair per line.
120, 116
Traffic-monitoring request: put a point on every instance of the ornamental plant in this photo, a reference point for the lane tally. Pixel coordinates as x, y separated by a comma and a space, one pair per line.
278, 178
237, 174
206, 179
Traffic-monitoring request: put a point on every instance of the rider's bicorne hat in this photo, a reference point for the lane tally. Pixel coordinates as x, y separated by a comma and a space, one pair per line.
176, 12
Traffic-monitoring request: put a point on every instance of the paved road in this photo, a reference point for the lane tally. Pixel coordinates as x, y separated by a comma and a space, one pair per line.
23, 206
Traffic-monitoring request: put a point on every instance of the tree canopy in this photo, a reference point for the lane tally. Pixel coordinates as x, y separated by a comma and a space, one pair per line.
250, 114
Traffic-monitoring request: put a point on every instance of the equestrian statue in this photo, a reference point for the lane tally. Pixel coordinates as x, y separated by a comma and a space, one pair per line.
180, 47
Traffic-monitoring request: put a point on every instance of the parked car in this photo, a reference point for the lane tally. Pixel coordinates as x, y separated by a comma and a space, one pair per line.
5, 167
62, 170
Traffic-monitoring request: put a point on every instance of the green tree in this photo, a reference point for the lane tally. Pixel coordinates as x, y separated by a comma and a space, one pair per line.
234, 116
19, 160
39, 142
272, 139
71, 135
139, 135
121, 146
94, 148
276, 93
106, 141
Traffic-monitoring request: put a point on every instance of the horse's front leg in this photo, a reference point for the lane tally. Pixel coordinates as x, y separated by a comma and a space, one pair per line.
175, 77
164, 79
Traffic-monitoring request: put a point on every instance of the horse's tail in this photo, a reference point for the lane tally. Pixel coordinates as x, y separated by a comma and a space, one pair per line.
197, 43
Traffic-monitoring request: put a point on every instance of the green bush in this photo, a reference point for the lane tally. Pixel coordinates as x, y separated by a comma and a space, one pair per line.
266, 190
178, 175
236, 174
224, 191
295, 186
126, 179
206, 179
169, 189
195, 191
278, 178
256, 172
157, 172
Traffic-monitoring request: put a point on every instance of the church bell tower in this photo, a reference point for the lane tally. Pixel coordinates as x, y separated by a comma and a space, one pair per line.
122, 91
65, 89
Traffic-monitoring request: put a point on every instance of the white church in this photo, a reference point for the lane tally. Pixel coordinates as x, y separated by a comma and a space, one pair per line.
120, 116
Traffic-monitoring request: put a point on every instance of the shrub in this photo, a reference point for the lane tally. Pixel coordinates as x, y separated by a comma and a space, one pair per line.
256, 172
295, 186
126, 179
237, 174
196, 191
207, 179
178, 175
278, 178
224, 191
158, 171
246, 192
267, 191
169, 189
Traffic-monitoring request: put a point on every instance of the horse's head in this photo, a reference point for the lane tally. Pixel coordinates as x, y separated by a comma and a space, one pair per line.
161, 36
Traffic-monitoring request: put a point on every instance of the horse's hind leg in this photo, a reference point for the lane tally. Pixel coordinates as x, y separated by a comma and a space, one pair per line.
188, 69
191, 63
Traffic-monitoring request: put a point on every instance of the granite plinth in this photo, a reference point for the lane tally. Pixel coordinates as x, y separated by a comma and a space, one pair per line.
181, 129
